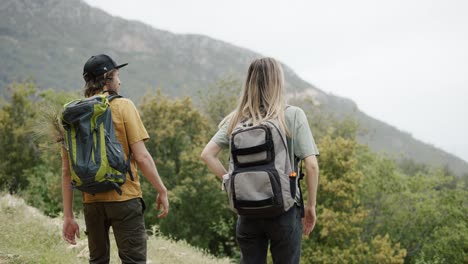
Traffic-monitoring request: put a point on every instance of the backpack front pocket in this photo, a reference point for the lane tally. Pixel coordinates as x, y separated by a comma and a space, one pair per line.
252, 147
257, 193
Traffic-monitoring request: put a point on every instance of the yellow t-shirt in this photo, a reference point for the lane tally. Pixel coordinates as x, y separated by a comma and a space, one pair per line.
129, 129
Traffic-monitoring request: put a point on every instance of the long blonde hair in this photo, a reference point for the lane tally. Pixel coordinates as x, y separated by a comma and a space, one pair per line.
262, 95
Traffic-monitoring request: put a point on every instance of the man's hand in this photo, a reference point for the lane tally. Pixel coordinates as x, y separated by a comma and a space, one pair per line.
70, 229
308, 222
162, 201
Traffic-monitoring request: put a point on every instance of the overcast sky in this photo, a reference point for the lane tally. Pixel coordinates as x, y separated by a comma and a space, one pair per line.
404, 62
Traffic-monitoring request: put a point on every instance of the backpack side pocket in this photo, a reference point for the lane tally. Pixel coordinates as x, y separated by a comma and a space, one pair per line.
227, 187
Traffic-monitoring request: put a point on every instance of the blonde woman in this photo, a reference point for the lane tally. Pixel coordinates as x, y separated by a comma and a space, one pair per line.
263, 99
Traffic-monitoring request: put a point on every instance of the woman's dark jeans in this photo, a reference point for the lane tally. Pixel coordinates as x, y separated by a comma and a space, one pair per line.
284, 233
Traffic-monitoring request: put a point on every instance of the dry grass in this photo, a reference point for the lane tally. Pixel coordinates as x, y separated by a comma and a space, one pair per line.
27, 236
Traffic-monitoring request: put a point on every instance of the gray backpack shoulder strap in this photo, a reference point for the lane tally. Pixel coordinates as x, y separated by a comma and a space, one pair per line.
293, 134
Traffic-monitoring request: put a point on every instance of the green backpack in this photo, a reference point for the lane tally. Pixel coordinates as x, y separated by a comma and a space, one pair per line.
97, 161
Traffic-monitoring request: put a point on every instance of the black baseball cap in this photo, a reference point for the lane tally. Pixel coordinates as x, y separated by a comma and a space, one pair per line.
98, 65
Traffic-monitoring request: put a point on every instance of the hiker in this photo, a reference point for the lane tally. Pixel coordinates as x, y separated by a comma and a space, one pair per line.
123, 208
260, 221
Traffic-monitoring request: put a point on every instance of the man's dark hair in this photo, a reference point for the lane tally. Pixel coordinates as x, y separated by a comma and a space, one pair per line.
95, 85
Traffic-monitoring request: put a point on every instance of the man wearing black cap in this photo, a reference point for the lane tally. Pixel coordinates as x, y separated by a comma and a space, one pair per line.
102, 210
97, 71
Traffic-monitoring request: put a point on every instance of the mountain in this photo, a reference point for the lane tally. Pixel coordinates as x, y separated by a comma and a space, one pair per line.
50, 40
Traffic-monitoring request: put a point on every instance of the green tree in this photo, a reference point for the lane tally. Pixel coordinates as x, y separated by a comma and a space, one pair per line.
341, 217
44, 189
448, 241
420, 211
16, 145
410, 167
200, 214
175, 127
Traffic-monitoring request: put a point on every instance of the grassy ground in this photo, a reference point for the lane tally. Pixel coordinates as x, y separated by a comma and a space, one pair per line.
27, 236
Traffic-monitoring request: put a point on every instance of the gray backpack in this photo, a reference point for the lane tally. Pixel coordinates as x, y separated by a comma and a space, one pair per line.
261, 181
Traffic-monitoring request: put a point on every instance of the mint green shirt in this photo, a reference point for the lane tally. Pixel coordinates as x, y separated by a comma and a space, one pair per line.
296, 121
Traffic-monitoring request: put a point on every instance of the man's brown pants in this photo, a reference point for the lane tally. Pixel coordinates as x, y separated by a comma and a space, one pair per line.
126, 219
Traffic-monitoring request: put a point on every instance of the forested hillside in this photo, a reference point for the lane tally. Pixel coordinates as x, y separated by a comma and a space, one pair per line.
370, 209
